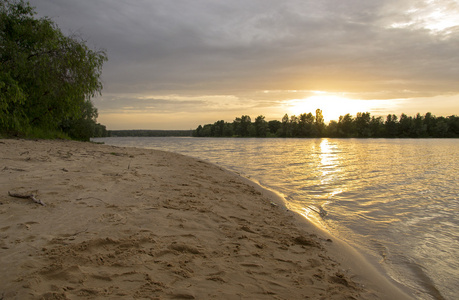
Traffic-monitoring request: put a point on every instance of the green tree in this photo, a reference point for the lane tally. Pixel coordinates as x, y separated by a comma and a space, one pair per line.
218, 128
228, 129
306, 125
419, 128
285, 127
242, 126
346, 126
274, 127
319, 123
391, 126
362, 125
198, 132
261, 126
406, 126
377, 126
453, 126
82, 127
430, 123
46, 78
100, 130
333, 129
206, 131
441, 128
293, 126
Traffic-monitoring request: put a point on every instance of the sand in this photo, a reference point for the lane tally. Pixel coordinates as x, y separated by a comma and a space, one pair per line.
126, 223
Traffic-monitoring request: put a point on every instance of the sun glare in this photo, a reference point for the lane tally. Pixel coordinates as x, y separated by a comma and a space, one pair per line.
332, 106
436, 16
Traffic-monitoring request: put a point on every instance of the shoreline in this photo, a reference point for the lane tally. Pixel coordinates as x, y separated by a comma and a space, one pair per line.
360, 268
131, 222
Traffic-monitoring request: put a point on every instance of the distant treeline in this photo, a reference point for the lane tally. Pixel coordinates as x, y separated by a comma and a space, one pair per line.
363, 125
149, 133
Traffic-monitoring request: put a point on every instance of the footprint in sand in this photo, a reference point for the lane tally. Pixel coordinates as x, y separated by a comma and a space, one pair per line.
113, 218
26, 225
3, 229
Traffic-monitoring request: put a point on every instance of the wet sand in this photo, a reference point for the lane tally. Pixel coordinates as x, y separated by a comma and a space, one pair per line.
126, 223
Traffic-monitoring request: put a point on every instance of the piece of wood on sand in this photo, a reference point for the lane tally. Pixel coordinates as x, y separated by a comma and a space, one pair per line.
26, 196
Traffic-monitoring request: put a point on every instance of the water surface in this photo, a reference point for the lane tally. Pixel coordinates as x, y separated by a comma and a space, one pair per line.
395, 200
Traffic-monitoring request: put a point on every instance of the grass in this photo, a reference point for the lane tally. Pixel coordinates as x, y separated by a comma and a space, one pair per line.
35, 133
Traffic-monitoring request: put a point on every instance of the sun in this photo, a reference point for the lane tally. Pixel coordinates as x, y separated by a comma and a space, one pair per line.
332, 106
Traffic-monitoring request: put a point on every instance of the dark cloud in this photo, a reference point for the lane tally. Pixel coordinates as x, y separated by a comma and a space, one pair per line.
385, 48
184, 44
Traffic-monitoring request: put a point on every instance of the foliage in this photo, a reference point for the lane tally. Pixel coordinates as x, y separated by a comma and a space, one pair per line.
46, 78
363, 125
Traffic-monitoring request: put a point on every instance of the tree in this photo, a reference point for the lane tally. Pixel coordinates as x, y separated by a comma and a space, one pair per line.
274, 126
206, 131
47, 79
198, 132
285, 127
261, 126
429, 122
83, 127
100, 130
218, 128
419, 128
362, 125
306, 125
391, 126
242, 126
319, 123
441, 127
346, 126
406, 126
333, 129
377, 126
228, 129
293, 126
453, 126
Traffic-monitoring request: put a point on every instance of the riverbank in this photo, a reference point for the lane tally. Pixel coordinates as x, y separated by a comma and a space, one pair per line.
138, 223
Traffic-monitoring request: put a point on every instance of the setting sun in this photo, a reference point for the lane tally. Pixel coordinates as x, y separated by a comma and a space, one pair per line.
332, 106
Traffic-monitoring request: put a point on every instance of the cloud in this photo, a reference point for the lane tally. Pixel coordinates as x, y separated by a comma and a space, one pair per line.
167, 104
200, 44
377, 49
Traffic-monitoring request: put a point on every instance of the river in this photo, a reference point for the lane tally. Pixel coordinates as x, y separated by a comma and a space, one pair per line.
395, 200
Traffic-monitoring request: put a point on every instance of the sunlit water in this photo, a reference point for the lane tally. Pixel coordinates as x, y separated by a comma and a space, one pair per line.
395, 200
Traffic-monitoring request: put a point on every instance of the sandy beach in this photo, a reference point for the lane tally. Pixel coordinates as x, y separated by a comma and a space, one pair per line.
126, 223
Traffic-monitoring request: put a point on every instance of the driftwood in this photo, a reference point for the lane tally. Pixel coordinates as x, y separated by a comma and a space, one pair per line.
26, 196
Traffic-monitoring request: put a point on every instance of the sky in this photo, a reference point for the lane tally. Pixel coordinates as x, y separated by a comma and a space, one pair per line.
177, 64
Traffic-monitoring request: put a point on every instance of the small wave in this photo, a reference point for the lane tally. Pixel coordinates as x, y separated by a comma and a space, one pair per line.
424, 280
319, 210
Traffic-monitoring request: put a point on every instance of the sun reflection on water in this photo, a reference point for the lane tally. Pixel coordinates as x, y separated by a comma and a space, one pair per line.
330, 165
328, 175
